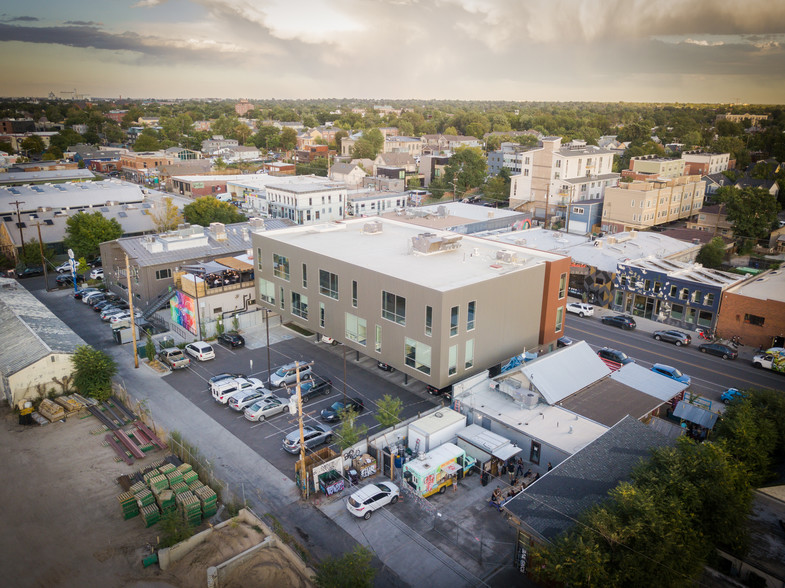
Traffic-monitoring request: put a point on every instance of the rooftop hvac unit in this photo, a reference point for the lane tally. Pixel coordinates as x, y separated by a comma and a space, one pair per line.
506, 256
530, 400
431, 243
257, 224
373, 227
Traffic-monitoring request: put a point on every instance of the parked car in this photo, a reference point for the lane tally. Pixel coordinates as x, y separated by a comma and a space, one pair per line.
385, 366
265, 408
200, 350
311, 387
95, 262
732, 394
329, 341
123, 316
287, 374
246, 398
97, 274
64, 267
83, 291
615, 355
30, 271
678, 338
313, 436
97, 294
91, 301
225, 390
68, 280
372, 497
174, 358
113, 310
332, 413
434, 391
670, 372
580, 308
221, 377
101, 304
564, 342
231, 339
619, 320
719, 349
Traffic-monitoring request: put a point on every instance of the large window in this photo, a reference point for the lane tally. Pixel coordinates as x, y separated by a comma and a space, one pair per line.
562, 286
356, 329
452, 364
428, 320
280, 266
453, 321
266, 291
559, 318
470, 316
300, 305
752, 319
394, 308
328, 284
469, 355
417, 355
163, 274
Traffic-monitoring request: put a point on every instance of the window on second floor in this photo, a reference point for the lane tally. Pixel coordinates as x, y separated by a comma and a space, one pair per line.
428, 321
281, 266
300, 305
562, 286
163, 274
470, 315
453, 321
394, 308
328, 284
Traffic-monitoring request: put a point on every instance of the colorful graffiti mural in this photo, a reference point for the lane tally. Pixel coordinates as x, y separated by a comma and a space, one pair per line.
183, 309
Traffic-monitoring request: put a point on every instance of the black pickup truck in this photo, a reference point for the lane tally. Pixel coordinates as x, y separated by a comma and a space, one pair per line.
315, 386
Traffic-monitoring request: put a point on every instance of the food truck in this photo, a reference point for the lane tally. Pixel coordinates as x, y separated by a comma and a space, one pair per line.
432, 472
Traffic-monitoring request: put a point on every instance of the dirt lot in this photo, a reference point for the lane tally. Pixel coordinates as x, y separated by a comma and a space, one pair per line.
62, 523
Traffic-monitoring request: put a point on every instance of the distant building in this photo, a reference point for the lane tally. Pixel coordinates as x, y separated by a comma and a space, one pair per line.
350, 174
700, 163
243, 107
656, 166
755, 119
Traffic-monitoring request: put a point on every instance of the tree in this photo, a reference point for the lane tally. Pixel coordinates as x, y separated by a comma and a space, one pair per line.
166, 215
363, 149
496, 188
376, 138
752, 211
388, 411
338, 136
93, 372
267, 137
712, 254
288, 139
467, 168
242, 132
208, 209
348, 431
6, 147
65, 139
147, 141
352, 570
149, 348
32, 145
85, 232
31, 253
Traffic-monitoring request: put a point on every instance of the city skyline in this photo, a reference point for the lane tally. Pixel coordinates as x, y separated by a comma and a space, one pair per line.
715, 51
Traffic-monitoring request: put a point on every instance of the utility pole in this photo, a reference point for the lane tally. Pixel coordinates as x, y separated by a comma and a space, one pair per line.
19, 225
267, 325
344, 375
43, 261
131, 310
302, 433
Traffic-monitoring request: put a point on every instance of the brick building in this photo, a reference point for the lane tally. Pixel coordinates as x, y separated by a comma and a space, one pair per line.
755, 310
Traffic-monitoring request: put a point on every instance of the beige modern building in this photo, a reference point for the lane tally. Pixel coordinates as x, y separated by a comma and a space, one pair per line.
435, 305
704, 164
640, 205
550, 173
657, 166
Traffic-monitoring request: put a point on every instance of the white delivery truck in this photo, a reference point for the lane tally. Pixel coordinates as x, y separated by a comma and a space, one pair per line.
434, 429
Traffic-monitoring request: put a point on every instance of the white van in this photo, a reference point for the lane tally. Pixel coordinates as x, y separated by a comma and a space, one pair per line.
225, 389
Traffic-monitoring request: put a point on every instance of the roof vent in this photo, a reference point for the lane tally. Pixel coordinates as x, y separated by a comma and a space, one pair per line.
506, 256
219, 231
257, 224
372, 227
428, 243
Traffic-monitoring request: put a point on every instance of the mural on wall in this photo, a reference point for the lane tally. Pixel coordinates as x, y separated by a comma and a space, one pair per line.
183, 309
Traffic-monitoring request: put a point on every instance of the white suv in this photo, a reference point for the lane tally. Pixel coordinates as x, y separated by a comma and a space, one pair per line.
580, 309
200, 350
287, 374
226, 389
372, 497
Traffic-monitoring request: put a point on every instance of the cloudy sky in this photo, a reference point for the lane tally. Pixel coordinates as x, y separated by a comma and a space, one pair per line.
609, 50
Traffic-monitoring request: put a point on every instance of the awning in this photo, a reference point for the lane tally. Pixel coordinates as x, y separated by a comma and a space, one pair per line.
695, 414
209, 267
451, 468
505, 452
241, 262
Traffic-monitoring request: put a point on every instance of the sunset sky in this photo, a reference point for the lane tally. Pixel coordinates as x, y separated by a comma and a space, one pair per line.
607, 50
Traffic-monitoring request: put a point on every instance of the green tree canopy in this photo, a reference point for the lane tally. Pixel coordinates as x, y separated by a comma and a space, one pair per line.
712, 254
267, 137
32, 145
31, 253
288, 138
208, 209
467, 168
388, 411
86, 231
353, 570
752, 211
147, 141
364, 149
349, 432
376, 138
65, 139
497, 188
93, 372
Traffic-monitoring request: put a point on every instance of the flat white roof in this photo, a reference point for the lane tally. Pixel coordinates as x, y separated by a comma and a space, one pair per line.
211, 178
438, 420
390, 252
552, 425
69, 195
465, 210
765, 286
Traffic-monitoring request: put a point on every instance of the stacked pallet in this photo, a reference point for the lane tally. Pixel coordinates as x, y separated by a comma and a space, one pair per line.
166, 501
70, 404
184, 468
166, 468
195, 484
51, 410
149, 474
174, 477
179, 487
208, 499
189, 506
190, 477
144, 498
150, 514
138, 487
158, 483
128, 505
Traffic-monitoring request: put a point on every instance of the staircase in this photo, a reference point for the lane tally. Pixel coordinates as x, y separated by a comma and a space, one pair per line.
159, 303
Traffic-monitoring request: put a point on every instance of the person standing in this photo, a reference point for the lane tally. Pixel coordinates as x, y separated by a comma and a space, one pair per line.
550, 467
519, 468
455, 483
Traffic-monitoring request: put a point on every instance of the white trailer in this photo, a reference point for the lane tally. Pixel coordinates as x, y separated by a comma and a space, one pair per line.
434, 429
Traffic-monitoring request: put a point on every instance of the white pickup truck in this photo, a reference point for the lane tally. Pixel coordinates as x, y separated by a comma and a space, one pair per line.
773, 359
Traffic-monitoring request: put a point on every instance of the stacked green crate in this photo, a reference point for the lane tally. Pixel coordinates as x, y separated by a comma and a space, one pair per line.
138, 487
150, 514
208, 500
166, 501
197, 483
190, 477
158, 483
190, 507
129, 505
185, 468
150, 475
179, 487
166, 468
145, 498
174, 477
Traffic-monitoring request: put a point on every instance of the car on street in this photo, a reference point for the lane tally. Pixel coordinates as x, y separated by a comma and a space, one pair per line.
332, 413
671, 372
732, 394
221, 377
619, 320
564, 341
64, 267
678, 338
200, 350
95, 262
385, 366
97, 274
615, 355
313, 435
265, 408
227, 389
30, 271
580, 308
287, 374
372, 497
231, 339
246, 398
329, 341
719, 349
